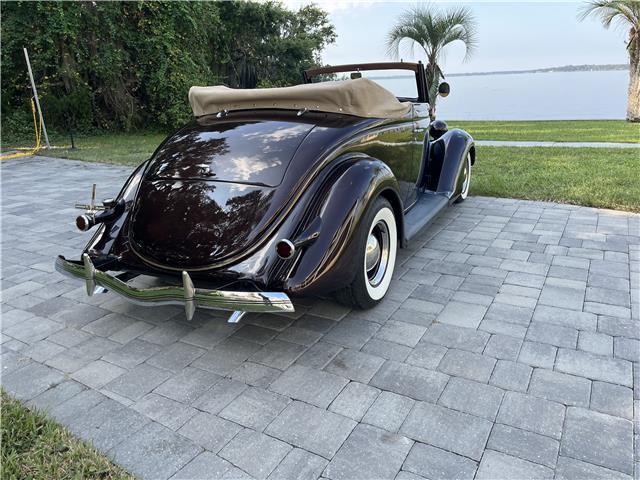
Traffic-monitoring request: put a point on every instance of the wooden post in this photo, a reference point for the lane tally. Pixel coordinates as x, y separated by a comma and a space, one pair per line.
35, 94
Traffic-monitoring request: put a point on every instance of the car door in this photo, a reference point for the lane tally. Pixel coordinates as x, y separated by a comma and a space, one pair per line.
394, 144
420, 138
397, 142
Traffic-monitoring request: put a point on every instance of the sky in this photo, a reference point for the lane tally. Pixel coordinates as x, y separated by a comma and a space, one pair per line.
511, 35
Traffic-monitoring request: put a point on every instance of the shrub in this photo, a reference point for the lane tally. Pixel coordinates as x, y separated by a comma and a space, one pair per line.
135, 61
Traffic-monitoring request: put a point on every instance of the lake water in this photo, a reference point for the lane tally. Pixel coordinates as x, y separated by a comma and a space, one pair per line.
533, 96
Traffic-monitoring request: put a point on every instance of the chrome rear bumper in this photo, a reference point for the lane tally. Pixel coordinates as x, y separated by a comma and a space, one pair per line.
187, 294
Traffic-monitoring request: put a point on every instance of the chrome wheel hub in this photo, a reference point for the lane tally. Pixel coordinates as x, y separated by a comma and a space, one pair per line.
373, 252
377, 253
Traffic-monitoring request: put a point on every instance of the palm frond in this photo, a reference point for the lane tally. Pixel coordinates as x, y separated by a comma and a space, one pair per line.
399, 34
623, 12
433, 31
462, 28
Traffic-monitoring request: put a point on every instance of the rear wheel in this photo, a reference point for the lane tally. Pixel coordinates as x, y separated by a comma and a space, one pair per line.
375, 257
466, 182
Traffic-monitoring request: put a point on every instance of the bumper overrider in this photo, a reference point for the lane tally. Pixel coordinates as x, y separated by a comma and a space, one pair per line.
237, 302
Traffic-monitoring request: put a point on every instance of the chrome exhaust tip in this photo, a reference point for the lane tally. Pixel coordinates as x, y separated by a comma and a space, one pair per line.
85, 222
285, 249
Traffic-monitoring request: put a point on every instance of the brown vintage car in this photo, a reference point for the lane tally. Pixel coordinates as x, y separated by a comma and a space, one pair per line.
279, 192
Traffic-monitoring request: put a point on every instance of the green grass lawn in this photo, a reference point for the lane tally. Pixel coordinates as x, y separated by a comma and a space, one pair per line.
595, 177
118, 148
603, 177
553, 131
133, 148
37, 448
122, 149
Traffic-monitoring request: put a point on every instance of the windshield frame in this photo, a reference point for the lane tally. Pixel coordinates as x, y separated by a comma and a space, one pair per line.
417, 68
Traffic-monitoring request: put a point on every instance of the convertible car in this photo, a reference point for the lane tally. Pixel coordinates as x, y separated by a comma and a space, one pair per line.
273, 193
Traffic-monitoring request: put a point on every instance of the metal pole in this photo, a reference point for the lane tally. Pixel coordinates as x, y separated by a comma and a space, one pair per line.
35, 94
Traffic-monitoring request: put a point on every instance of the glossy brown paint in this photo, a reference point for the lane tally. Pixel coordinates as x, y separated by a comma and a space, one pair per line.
190, 223
448, 155
192, 212
328, 262
184, 221
230, 150
393, 144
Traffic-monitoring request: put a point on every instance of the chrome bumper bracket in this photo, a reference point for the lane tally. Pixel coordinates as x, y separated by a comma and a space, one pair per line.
90, 277
89, 274
189, 296
236, 316
186, 294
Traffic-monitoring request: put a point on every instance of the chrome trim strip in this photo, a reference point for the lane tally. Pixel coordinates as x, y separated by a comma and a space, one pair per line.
186, 295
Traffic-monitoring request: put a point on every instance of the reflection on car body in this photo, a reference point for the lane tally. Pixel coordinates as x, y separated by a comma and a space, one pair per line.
252, 203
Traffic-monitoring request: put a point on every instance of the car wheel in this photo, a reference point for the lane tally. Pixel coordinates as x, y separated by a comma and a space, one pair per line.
375, 257
466, 182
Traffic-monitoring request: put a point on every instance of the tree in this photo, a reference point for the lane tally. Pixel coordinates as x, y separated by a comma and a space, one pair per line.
70, 111
277, 47
135, 60
433, 31
625, 13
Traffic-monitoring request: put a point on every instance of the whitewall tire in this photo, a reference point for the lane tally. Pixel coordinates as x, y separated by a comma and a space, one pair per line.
378, 268
466, 179
375, 257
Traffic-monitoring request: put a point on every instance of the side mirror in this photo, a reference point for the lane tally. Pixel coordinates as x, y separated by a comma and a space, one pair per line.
444, 89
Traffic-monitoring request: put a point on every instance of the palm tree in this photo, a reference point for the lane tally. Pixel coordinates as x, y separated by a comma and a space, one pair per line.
433, 31
625, 13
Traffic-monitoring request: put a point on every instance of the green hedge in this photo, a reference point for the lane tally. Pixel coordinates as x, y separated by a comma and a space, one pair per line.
135, 61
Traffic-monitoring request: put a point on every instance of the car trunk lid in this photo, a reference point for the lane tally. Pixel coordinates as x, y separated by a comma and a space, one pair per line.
240, 151
207, 192
195, 223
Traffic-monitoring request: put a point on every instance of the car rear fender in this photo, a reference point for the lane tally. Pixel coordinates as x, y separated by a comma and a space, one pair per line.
327, 264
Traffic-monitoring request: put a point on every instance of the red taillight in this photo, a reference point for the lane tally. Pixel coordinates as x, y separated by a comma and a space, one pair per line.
285, 249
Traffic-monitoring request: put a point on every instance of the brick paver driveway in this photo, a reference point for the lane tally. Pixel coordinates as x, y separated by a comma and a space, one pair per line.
507, 348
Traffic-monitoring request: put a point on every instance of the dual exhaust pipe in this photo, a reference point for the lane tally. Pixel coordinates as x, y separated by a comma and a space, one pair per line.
88, 220
95, 214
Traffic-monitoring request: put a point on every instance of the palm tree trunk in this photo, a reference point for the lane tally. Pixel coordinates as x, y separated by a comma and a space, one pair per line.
633, 105
433, 80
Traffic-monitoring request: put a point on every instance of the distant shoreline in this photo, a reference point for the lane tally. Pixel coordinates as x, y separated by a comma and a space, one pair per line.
565, 68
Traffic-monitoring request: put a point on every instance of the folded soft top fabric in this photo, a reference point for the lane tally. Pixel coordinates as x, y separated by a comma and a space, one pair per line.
360, 97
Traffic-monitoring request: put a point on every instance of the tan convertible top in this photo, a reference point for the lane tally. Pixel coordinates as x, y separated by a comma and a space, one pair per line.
360, 97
